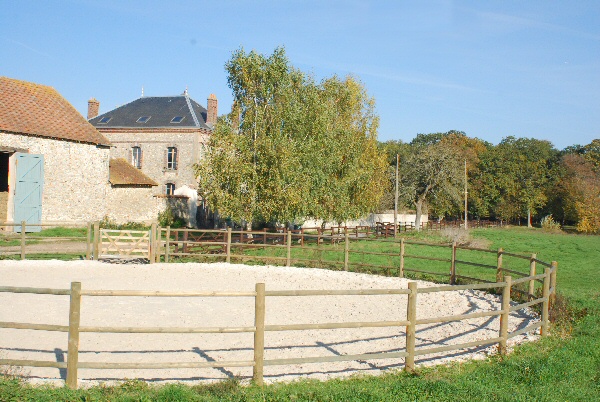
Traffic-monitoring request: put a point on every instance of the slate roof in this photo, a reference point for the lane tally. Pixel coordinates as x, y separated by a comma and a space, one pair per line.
122, 173
161, 109
34, 109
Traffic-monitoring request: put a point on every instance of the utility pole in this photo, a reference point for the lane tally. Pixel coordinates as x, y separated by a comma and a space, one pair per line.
466, 195
396, 199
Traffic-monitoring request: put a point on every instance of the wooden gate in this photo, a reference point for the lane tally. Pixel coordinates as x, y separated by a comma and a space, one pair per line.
28, 191
124, 243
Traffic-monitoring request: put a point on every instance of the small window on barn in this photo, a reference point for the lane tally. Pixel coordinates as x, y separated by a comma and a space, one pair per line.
143, 119
104, 120
136, 157
170, 189
172, 158
177, 119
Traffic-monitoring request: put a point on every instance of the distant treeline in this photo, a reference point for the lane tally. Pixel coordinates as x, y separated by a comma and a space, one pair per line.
518, 180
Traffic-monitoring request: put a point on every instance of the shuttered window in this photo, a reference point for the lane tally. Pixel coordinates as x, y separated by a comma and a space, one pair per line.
170, 188
172, 158
136, 157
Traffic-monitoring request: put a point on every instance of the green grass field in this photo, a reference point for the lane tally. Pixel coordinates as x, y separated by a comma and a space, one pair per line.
565, 366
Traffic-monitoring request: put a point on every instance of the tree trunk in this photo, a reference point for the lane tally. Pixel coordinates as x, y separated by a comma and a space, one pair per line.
419, 211
528, 217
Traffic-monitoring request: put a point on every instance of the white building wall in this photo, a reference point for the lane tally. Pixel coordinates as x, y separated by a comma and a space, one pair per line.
370, 220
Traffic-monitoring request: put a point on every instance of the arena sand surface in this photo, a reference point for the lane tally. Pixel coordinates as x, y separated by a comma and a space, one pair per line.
231, 311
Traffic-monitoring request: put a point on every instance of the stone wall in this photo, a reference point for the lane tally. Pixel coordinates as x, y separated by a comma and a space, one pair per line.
75, 177
3, 206
133, 204
154, 146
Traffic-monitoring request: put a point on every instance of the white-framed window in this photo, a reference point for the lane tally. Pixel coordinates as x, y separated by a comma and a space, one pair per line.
136, 157
172, 158
170, 189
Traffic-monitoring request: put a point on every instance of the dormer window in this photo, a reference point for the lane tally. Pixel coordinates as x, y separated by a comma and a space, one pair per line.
104, 120
143, 119
177, 119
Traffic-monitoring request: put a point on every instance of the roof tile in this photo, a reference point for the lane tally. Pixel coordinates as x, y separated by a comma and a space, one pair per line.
122, 173
40, 110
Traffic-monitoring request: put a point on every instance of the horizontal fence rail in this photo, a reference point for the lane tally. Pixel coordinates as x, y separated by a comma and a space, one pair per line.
359, 249
259, 329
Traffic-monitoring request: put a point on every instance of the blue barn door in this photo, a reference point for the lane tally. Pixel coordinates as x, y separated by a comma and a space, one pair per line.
28, 190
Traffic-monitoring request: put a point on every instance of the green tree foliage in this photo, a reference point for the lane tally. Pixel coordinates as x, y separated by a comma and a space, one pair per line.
576, 195
431, 179
291, 148
514, 176
391, 149
470, 150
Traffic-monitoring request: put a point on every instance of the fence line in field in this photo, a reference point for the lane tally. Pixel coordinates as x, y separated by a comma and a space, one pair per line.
259, 328
230, 245
165, 243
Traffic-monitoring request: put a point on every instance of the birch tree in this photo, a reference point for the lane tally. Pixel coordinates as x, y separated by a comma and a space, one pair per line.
291, 148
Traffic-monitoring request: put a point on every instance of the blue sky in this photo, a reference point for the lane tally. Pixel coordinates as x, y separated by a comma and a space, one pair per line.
488, 68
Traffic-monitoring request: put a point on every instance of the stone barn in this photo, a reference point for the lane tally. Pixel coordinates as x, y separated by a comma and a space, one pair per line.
54, 165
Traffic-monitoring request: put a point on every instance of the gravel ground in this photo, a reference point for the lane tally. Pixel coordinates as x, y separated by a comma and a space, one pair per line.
231, 311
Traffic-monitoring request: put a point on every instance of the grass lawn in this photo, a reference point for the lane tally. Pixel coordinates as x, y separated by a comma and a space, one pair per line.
565, 366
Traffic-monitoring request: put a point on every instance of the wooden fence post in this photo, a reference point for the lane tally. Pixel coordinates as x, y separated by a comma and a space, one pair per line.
167, 247
531, 289
346, 248
301, 237
158, 243
453, 265
505, 314
401, 270
97, 241
264, 235
411, 316
73, 346
545, 303
499, 266
88, 241
259, 334
185, 236
152, 247
228, 247
288, 260
23, 230
553, 283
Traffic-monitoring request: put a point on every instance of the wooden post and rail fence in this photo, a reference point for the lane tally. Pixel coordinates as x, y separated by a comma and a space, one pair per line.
533, 289
409, 354
291, 247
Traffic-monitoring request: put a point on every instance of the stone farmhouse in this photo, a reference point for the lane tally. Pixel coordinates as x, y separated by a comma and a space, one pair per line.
56, 167
162, 137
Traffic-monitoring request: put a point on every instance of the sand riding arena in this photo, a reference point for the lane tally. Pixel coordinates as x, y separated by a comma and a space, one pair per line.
197, 322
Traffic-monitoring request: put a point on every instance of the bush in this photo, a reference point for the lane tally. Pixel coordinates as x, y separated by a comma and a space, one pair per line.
461, 236
109, 223
549, 224
169, 218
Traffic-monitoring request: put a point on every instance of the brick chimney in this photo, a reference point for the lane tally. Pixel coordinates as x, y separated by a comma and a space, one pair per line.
212, 109
93, 108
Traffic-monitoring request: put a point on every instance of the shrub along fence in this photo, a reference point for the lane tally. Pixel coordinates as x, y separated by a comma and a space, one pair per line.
74, 329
